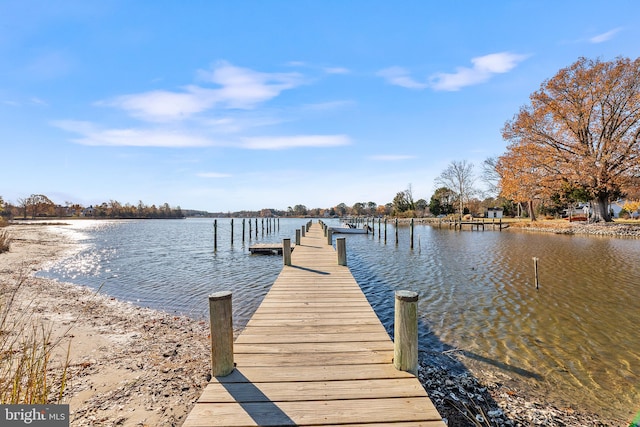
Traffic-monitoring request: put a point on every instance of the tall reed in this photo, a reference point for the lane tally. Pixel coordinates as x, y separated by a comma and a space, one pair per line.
28, 373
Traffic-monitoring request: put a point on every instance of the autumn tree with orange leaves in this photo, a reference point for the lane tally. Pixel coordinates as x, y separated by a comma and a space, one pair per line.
581, 132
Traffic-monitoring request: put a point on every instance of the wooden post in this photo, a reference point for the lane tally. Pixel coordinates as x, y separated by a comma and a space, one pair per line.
286, 251
329, 236
220, 314
243, 228
405, 331
297, 237
396, 231
256, 228
379, 221
385, 231
231, 231
303, 229
342, 250
250, 230
215, 234
411, 234
535, 271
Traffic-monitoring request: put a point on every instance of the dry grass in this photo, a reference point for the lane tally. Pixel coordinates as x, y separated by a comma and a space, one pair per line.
5, 241
28, 375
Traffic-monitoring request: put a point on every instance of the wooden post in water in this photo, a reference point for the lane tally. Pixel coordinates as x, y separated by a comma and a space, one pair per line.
220, 315
215, 234
286, 251
329, 236
385, 231
405, 332
297, 237
256, 228
231, 231
535, 271
411, 234
396, 231
250, 230
243, 228
341, 245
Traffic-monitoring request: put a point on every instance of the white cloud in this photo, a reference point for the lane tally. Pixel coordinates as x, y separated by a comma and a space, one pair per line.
484, 67
600, 38
286, 142
213, 175
399, 76
391, 157
237, 88
91, 135
336, 70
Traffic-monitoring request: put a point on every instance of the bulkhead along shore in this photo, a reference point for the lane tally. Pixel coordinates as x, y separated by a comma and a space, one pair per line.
134, 366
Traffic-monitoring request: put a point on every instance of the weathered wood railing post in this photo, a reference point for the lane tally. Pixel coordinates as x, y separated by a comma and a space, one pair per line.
405, 331
329, 236
231, 231
286, 251
297, 237
220, 314
342, 250
303, 229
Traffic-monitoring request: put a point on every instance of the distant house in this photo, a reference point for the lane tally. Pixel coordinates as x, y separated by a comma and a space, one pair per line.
88, 211
494, 212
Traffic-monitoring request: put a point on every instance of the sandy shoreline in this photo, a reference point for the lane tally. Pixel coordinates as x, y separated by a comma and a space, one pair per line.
130, 366
133, 366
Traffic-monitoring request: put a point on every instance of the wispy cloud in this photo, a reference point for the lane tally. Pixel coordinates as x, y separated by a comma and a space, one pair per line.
601, 38
213, 175
336, 70
391, 157
484, 67
399, 76
287, 142
89, 134
236, 88
328, 106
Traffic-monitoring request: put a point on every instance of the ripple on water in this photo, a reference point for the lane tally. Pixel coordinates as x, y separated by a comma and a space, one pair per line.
574, 339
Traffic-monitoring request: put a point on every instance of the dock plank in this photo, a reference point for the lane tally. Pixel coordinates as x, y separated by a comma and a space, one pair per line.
314, 353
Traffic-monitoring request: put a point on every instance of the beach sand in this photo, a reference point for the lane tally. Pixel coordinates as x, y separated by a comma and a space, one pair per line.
129, 366
132, 366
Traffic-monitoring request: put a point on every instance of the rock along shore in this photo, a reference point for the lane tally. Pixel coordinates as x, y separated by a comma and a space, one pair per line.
132, 366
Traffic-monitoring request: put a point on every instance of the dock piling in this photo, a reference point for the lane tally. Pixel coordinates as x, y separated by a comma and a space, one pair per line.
341, 246
405, 343
220, 314
286, 251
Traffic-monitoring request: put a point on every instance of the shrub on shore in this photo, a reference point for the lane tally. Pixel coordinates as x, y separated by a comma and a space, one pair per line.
27, 374
5, 241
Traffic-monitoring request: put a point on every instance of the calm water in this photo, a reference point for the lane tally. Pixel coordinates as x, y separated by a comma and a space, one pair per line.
575, 339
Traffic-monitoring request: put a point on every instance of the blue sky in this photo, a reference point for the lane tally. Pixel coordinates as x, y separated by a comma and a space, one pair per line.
233, 105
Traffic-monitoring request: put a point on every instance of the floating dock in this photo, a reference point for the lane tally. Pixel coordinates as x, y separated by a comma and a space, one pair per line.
314, 353
267, 248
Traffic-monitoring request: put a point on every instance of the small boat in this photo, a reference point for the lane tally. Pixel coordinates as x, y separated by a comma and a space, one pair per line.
350, 229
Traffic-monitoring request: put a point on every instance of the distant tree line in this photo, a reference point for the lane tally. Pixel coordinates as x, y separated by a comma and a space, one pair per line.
40, 206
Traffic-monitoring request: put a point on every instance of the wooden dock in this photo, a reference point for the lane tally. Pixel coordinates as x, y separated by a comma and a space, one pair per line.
314, 353
267, 248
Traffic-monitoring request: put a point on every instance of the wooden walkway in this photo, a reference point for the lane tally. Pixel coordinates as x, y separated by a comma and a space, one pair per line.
314, 353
